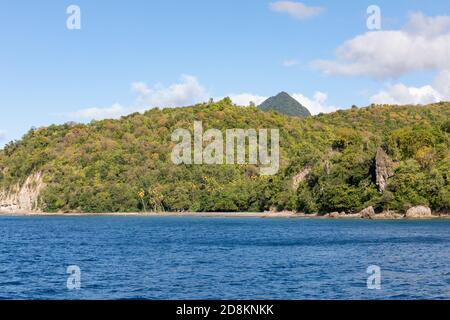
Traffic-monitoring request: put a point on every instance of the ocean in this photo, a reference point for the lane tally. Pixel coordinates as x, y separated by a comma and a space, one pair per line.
222, 258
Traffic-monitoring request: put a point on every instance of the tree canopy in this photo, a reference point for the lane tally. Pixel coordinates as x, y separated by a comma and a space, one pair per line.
124, 165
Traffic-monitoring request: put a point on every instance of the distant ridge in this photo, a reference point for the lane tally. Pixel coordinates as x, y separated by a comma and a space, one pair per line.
285, 104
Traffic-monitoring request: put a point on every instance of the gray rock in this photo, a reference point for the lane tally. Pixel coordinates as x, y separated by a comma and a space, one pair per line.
300, 177
384, 169
333, 215
418, 212
367, 213
22, 197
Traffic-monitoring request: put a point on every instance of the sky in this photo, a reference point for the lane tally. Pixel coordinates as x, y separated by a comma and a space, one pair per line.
133, 55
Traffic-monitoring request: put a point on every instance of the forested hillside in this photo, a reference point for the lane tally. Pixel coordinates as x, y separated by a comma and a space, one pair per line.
124, 165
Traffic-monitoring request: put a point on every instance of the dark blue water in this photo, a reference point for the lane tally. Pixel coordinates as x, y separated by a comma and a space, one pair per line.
222, 258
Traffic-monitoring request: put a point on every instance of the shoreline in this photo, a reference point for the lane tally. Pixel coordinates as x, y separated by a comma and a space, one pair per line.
160, 214
284, 214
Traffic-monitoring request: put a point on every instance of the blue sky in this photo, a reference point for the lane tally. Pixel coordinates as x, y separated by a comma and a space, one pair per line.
132, 55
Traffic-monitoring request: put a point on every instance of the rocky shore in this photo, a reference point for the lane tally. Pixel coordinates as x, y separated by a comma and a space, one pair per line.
415, 213
419, 212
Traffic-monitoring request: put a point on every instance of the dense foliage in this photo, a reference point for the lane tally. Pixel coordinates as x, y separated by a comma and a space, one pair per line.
284, 104
124, 165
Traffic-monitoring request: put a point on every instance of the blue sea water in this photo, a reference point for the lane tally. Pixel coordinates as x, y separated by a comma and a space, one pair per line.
222, 258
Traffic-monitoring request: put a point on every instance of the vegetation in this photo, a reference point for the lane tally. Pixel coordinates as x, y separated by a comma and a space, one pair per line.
124, 165
284, 104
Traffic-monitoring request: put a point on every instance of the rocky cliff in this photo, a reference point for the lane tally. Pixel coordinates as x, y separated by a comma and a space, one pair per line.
300, 177
22, 197
384, 169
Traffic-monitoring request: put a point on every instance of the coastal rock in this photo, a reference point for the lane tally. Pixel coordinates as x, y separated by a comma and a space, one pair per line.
384, 168
353, 215
333, 215
273, 209
367, 213
389, 215
418, 212
300, 177
22, 198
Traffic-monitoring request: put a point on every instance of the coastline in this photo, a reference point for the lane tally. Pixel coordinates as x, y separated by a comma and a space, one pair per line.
283, 214
161, 214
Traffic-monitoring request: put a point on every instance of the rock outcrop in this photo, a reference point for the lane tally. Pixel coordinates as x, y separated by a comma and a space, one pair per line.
333, 215
418, 212
388, 215
22, 198
367, 213
301, 176
384, 169
336, 215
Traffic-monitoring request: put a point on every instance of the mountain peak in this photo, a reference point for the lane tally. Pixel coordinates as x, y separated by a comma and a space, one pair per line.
285, 104
283, 93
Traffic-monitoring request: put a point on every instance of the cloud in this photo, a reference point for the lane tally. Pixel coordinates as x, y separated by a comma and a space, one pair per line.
2, 135
187, 92
290, 63
420, 24
244, 99
422, 45
317, 104
442, 84
113, 112
296, 10
401, 94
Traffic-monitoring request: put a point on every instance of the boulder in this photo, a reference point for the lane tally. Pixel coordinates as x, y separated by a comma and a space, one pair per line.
367, 213
333, 215
418, 212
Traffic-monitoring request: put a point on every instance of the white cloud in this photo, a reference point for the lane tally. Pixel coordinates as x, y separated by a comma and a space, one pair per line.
2, 135
296, 10
187, 92
423, 44
401, 94
290, 63
113, 112
427, 26
317, 104
442, 84
244, 99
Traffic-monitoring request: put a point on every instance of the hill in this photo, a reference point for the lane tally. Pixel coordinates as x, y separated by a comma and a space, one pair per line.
284, 104
328, 163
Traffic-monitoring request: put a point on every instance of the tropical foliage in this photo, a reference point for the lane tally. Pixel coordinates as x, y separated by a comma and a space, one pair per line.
124, 165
